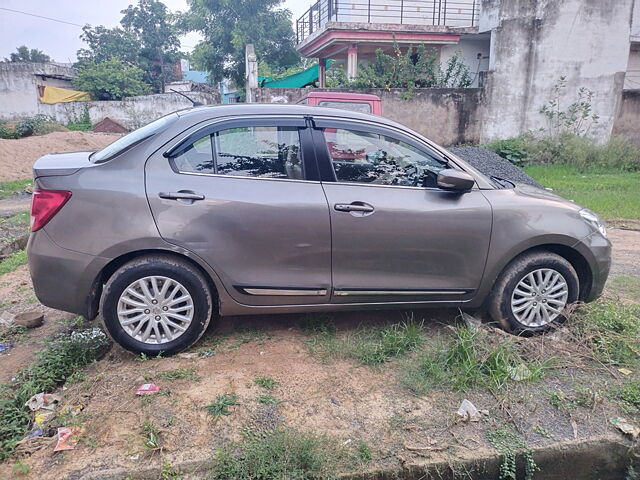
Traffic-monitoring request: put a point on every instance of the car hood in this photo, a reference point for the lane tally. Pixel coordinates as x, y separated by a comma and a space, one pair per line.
529, 191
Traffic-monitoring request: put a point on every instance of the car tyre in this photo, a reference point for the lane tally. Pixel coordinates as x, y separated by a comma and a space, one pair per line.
508, 305
152, 271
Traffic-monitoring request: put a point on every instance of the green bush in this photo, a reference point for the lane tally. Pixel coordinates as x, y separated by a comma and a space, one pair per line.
516, 150
7, 132
111, 80
576, 151
81, 122
33, 125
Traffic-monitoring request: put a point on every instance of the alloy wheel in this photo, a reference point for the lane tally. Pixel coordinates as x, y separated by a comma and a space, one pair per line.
539, 297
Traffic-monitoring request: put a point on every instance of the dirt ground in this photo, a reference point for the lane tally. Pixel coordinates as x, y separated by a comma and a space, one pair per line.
348, 402
18, 156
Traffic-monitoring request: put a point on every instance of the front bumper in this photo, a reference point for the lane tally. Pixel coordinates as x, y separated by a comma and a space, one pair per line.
597, 250
62, 278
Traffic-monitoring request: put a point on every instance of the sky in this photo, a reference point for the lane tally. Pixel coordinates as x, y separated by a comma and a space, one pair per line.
61, 41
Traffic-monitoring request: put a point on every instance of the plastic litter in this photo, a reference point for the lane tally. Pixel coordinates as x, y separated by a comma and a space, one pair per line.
148, 389
468, 412
625, 371
36, 433
5, 346
43, 401
519, 373
626, 427
68, 438
187, 355
41, 417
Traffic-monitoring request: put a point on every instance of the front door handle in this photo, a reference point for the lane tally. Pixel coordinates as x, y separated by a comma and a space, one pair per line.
181, 195
355, 208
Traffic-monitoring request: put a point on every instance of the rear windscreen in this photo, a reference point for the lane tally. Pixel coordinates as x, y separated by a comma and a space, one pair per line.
132, 138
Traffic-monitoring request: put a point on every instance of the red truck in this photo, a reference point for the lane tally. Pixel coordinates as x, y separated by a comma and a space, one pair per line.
354, 102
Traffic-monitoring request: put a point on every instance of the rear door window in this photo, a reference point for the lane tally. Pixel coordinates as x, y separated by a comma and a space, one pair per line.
197, 158
263, 152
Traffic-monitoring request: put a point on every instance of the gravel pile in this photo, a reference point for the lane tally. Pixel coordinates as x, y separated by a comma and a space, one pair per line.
491, 163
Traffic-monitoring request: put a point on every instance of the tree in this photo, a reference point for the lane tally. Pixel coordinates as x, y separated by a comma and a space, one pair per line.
147, 38
228, 25
23, 54
106, 44
153, 27
111, 80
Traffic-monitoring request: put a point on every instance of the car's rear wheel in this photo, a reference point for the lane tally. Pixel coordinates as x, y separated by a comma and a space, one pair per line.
156, 304
533, 291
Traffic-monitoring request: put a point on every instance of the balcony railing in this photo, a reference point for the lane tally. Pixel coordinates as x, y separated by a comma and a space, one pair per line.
452, 13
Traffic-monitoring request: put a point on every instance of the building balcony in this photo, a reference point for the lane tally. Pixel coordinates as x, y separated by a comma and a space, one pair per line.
366, 14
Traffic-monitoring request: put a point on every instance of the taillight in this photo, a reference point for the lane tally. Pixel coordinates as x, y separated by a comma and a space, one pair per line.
45, 204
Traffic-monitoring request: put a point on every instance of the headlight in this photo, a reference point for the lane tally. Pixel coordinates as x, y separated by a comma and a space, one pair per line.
592, 219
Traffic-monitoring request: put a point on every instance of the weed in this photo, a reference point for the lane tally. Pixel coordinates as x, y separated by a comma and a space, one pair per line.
540, 430
266, 382
7, 189
61, 357
318, 323
369, 346
629, 395
13, 333
508, 444
21, 468
169, 473
364, 452
268, 400
470, 360
516, 150
247, 335
13, 261
150, 437
611, 330
282, 453
221, 406
178, 374
21, 219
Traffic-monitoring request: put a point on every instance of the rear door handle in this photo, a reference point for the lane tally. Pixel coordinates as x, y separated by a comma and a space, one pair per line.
182, 195
357, 208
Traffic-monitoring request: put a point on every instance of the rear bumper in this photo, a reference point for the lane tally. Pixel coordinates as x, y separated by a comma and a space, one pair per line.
597, 250
62, 279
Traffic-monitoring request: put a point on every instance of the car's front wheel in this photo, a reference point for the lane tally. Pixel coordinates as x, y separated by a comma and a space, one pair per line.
533, 291
156, 304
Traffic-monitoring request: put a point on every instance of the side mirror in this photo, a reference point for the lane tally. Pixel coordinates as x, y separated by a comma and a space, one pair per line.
455, 180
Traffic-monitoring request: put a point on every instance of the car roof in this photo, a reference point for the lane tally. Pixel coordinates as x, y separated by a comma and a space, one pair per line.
239, 109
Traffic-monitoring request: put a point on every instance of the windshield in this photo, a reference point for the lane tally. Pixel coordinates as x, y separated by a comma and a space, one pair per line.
134, 137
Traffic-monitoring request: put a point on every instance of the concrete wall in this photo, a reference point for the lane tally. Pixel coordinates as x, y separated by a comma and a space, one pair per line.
19, 83
132, 112
448, 116
628, 120
537, 41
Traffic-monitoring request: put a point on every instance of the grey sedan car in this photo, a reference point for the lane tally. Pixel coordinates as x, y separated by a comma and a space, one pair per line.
256, 209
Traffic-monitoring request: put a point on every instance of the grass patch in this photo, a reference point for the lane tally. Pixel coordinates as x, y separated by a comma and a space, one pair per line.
629, 395
150, 437
613, 194
471, 358
221, 406
178, 374
267, 399
8, 189
266, 383
611, 330
509, 444
367, 345
19, 219
13, 261
283, 453
626, 285
61, 357
12, 333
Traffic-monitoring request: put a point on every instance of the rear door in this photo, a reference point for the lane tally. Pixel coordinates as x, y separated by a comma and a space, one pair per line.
396, 236
244, 195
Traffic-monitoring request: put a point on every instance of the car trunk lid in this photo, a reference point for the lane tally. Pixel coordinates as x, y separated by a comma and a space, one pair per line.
61, 164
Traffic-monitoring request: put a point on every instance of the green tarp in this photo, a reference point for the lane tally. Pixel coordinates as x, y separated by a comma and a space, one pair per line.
297, 80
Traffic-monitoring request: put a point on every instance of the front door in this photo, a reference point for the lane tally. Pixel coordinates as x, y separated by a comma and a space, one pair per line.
240, 196
396, 236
